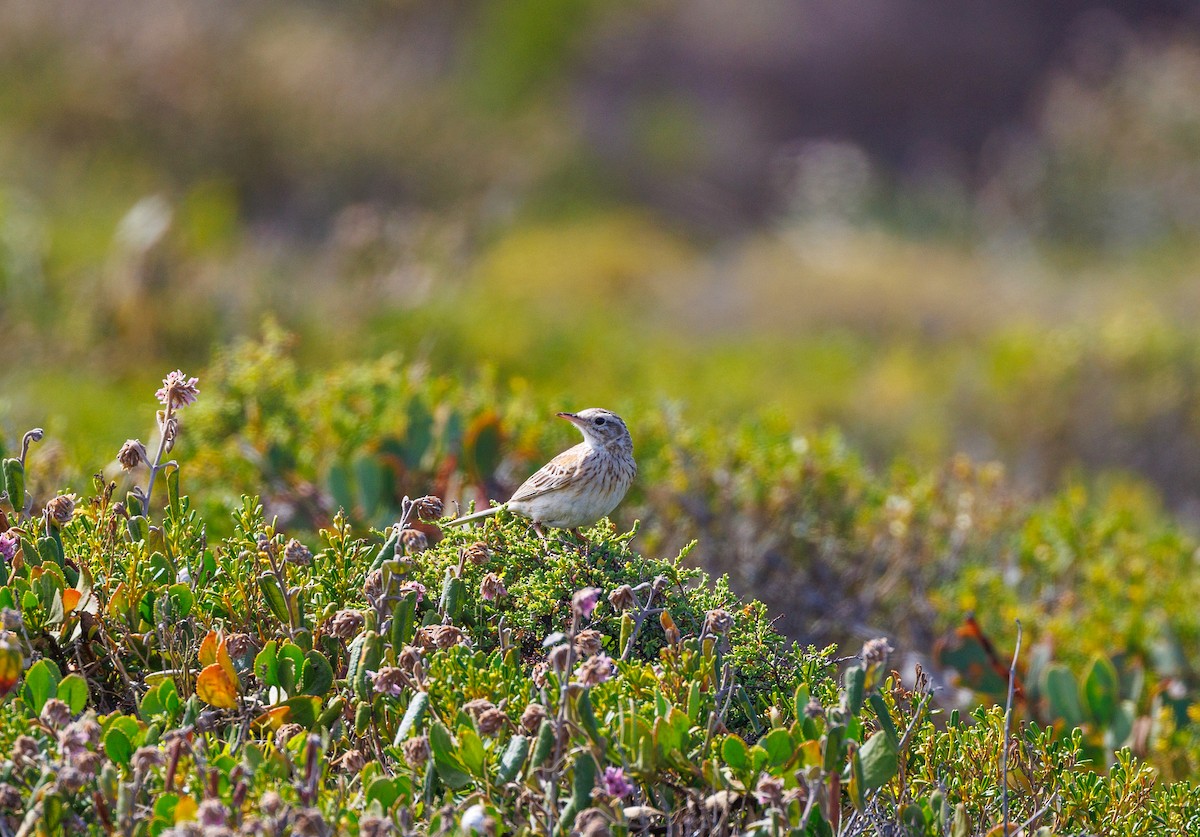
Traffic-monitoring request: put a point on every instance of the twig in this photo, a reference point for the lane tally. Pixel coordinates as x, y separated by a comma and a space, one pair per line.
1012, 679
1037, 815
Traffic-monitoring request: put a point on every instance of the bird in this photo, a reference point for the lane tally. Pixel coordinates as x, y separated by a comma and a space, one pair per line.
580, 485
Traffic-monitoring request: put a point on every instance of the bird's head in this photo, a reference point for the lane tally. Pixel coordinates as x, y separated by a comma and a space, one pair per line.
600, 427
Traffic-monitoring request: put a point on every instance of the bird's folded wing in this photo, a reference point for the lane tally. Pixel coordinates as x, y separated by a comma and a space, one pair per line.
555, 474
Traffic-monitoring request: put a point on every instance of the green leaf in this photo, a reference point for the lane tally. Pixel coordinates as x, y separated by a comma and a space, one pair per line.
453, 593
470, 750
364, 655
735, 753
172, 475
884, 717
445, 758
41, 684
1101, 690
412, 716
779, 747
182, 599
834, 750
585, 781
73, 690
291, 666
317, 674
276, 598
14, 483
856, 678
369, 476
302, 710
266, 664
384, 791
545, 740
513, 758
880, 761
404, 620
1063, 694
117, 745
339, 486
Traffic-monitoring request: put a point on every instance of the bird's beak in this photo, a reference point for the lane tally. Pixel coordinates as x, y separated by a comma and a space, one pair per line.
571, 417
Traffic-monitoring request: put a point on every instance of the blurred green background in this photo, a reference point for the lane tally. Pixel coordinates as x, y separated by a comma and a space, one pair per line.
939, 228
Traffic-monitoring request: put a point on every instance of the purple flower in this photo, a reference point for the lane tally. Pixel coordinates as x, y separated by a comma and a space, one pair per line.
389, 680
178, 390
413, 585
584, 601
615, 783
8, 545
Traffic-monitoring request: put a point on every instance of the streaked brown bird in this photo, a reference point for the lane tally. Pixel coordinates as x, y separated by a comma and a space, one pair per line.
580, 485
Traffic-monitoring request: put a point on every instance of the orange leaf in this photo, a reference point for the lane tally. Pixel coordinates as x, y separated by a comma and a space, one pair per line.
215, 688
225, 661
274, 718
208, 649
71, 598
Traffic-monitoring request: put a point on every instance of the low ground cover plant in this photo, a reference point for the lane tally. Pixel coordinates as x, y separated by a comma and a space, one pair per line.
168, 672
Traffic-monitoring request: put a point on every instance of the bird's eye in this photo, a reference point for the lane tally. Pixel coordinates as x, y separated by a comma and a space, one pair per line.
599, 422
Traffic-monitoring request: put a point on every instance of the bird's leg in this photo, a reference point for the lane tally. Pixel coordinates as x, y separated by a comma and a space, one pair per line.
541, 533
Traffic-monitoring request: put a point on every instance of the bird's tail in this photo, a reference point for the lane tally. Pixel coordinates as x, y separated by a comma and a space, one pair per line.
467, 518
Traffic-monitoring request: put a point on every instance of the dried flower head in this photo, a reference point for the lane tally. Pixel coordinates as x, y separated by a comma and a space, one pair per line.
10, 619
55, 713
346, 623
538, 674
718, 621
373, 586
145, 758
769, 791
286, 733
373, 826
429, 507
532, 717
389, 680
10, 798
352, 761
270, 803
71, 779
88, 762
659, 584
297, 554
492, 587
589, 642
410, 660
240, 645
595, 670
212, 813
584, 601
8, 545
814, 709
592, 822
77, 737
477, 553
178, 390
615, 783
414, 541
447, 636
416, 751
875, 651
491, 721
309, 822
558, 657
61, 509
623, 598
132, 454
25, 751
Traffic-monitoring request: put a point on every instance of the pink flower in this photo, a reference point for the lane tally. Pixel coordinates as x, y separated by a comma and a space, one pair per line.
8, 546
413, 585
178, 390
615, 783
584, 601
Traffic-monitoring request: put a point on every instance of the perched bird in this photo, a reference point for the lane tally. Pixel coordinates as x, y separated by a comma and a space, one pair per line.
580, 485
